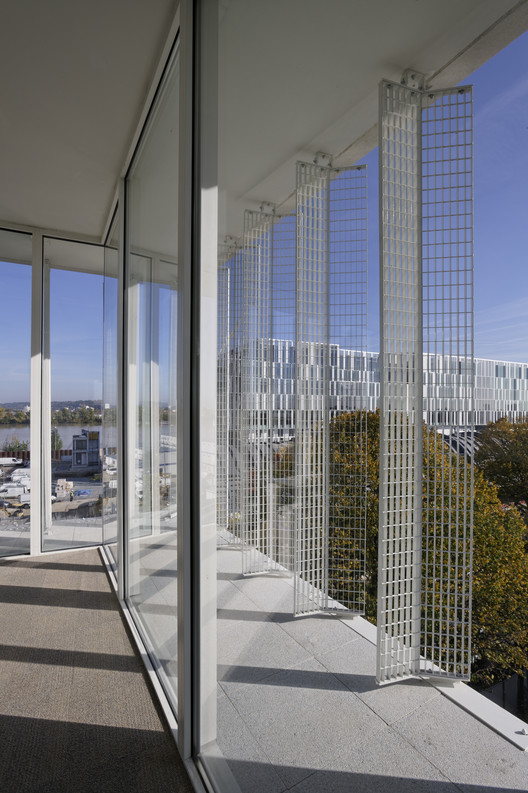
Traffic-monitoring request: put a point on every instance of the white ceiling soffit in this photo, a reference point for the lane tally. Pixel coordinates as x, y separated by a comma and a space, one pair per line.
78, 256
75, 78
16, 247
296, 76
301, 76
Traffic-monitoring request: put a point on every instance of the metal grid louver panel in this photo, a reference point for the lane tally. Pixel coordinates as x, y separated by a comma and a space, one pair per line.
347, 440
283, 359
447, 211
426, 324
400, 497
222, 404
256, 452
311, 414
236, 343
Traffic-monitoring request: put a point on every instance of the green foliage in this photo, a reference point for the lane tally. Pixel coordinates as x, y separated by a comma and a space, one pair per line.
500, 578
349, 455
82, 415
13, 445
502, 456
9, 416
56, 440
500, 588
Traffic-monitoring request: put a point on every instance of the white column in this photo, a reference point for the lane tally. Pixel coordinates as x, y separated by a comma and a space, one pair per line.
37, 460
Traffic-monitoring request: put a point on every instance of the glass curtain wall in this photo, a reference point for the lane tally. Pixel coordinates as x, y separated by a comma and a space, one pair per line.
299, 233
109, 407
72, 385
15, 356
151, 362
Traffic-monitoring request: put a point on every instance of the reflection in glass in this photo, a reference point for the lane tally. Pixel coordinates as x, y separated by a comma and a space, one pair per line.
72, 372
15, 356
151, 316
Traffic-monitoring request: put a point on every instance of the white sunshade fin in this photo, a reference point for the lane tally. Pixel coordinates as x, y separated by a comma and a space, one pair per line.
426, 307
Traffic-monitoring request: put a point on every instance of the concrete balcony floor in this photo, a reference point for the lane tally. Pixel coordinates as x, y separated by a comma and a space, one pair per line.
299, 709
76, 710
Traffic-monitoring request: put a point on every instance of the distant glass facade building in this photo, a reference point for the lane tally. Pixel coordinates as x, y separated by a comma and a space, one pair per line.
501, 387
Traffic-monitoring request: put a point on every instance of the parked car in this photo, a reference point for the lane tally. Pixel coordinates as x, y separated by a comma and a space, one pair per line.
11, 491
21, 473
12, 461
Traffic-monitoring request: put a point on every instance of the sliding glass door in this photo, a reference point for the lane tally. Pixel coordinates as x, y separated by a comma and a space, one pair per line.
72, 388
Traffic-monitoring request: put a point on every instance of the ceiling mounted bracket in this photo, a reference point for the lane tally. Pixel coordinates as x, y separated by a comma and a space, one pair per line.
321, 158
268, 207
413, 79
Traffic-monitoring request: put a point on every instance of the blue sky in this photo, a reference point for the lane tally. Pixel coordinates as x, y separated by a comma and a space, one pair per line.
500, 97
76, 334
501, 253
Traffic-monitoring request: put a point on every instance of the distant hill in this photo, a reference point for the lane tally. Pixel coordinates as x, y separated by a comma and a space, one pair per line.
74, 404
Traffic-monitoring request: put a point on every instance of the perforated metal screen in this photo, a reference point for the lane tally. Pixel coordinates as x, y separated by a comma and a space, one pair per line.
426, 307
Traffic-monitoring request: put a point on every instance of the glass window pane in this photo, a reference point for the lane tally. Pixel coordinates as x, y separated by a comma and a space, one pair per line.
151, 308
109, 426
72, 373
15, 356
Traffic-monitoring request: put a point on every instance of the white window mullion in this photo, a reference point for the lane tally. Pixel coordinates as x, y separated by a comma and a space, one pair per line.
37, 404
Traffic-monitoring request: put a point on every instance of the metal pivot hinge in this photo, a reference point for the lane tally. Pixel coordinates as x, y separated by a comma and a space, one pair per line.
321, 158
268, 207
413, 79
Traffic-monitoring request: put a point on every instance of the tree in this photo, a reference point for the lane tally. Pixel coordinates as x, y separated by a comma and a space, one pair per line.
13, 445
56, 440
500, 588
502, 456
500, 578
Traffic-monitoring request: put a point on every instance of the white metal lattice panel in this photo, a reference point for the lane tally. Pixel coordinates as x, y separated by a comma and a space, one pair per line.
257, 531
330, 434
401, 456
222, 405
311, 422
236, 344
347, 284
282, 356
447, 233
426, 333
